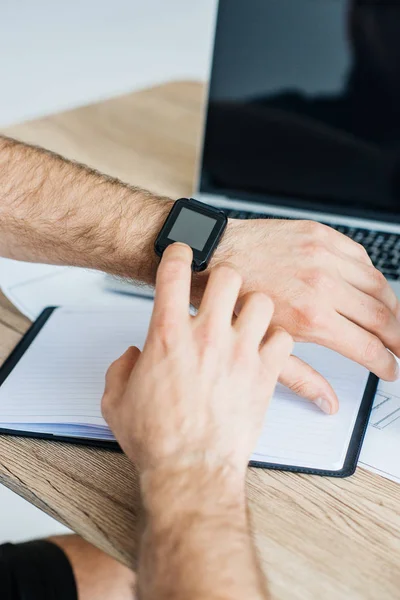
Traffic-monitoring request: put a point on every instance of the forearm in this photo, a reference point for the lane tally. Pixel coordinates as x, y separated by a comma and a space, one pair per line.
59, 212
196, 543
97, 575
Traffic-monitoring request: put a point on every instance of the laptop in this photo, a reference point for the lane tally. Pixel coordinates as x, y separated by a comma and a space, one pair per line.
303, 118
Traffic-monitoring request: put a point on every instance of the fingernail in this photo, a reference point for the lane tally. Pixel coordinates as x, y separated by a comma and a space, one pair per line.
324, 405
397, 374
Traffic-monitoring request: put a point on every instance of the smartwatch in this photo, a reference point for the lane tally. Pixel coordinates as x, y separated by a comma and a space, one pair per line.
196, 224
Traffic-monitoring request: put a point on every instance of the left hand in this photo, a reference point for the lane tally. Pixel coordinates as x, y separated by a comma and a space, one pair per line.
325, 290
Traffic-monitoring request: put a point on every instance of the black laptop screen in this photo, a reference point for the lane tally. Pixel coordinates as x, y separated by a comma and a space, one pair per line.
304, 106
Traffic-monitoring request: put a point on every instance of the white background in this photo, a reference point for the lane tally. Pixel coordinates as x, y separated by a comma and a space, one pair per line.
59, 55
55, 55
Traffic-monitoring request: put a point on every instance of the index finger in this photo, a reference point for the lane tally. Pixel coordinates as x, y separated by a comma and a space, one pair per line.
173, 281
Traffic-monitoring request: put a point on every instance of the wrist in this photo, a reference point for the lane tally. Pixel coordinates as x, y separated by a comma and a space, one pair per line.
135, 256
223, 255
196, 541
226, 248
191, 485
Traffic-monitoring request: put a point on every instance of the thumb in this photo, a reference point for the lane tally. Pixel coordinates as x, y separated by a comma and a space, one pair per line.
302, 379
119, 372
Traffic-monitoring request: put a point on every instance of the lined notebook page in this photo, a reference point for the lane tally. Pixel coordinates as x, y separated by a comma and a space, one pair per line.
57, 387
297, 433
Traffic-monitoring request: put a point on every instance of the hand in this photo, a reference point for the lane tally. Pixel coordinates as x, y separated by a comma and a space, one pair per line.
325, 290
200, 389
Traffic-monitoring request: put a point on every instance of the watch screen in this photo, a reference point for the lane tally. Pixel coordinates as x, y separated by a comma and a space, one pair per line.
192, 228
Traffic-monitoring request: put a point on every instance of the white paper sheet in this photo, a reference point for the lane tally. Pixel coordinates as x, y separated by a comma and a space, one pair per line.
32, 288
381, 449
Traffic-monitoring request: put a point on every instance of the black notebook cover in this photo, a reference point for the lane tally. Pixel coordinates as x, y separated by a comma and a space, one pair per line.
350, 462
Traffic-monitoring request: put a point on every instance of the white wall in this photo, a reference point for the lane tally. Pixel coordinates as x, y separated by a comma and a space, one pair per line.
56, 55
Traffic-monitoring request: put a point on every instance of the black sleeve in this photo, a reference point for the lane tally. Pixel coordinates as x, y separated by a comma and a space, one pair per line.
36, 571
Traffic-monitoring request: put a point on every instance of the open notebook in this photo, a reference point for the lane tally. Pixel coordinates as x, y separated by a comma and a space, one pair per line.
51, 385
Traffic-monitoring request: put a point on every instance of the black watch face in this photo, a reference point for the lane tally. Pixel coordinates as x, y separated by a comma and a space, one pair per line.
192, 228
195, 224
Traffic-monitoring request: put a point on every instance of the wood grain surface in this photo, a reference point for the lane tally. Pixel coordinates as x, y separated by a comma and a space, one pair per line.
318, 538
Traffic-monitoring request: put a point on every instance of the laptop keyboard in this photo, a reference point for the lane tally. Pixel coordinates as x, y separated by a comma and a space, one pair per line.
382, 247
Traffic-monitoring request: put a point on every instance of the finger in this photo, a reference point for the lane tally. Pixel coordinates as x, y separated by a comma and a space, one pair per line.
220, 296
372, 315
275, 351
304, 381
119, 372
254, 317
346, 245
172, 295
371, 281
359, 345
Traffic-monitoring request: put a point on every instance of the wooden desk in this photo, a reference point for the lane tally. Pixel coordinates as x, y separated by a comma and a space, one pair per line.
318, 538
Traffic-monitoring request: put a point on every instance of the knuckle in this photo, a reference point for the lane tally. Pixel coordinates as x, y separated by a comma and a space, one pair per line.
372, 351
166, 331
109, 375
228, 273
310, 248
317, 278
362, 251
261, 301
314, 249
106, 405
317, 230
299, 387
380, 316
306, 318
378, 280
207, 335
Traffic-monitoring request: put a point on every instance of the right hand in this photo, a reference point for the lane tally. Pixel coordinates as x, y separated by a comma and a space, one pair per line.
199, 391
